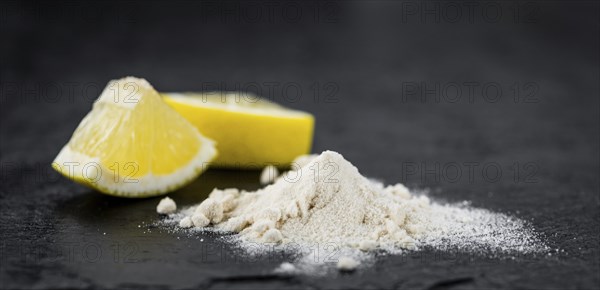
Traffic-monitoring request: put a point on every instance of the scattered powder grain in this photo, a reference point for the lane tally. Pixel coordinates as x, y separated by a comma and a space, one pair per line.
347, 264
285, 267
199, 220
269, 175
166, 206
186, 222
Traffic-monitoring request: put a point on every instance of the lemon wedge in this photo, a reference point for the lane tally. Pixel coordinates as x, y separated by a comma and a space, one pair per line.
134, 145
250, 132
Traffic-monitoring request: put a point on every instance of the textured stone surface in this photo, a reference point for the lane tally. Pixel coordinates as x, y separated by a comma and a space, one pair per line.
59, 234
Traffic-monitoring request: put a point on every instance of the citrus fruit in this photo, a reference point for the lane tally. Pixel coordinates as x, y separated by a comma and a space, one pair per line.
250, 132
134, 145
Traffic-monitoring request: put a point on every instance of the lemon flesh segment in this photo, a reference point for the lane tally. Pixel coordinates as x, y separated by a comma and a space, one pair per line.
134, 145
250, 132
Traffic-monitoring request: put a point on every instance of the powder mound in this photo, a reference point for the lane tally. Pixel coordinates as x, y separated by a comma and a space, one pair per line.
327, 207
325, 201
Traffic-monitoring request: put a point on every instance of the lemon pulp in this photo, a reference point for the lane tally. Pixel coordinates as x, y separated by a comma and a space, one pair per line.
132, 144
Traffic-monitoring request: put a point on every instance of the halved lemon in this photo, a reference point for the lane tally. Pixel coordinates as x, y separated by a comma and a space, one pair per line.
250, 132
134, 145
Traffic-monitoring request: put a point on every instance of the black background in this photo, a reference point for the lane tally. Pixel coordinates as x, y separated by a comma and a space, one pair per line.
360, 67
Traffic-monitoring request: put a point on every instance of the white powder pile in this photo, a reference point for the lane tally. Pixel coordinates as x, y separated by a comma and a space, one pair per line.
327, 201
